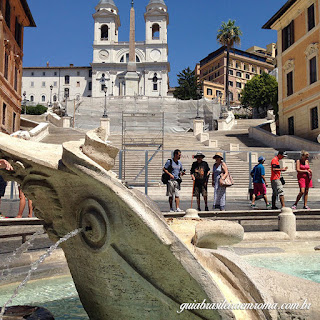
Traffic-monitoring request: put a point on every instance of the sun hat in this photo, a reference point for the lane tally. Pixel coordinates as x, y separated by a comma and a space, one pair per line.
218, 155
199, 154
261, 159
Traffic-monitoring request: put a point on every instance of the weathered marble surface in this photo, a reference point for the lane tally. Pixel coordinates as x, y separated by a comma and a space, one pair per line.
128, 263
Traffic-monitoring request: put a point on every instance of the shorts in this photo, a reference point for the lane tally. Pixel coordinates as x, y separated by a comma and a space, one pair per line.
173, 188
259, 189
200, 189
277, 188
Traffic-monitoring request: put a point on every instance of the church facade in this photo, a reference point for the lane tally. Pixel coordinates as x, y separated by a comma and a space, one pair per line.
111, 57
110, 72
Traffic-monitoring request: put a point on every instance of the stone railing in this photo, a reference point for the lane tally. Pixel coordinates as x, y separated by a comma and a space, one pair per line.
287, 142
63, 122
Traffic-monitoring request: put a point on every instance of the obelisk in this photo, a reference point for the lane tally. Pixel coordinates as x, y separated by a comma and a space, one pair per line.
132, 77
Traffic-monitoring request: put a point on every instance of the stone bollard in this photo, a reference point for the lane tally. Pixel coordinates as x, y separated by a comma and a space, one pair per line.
197, 126
191, 213
287, 222
105, 124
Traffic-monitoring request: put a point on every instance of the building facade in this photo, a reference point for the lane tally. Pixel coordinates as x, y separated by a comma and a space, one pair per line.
298, 29
242, 67
46, 85
15, 15
108, 72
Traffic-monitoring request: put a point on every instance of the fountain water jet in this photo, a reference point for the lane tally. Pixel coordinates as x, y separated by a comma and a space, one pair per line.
35, 265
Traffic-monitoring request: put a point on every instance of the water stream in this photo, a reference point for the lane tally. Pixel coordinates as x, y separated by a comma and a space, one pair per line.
5, 264
34, 266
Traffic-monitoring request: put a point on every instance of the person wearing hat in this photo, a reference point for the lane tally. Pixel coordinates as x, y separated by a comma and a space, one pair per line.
219, 171
200, 173
276, 184
259, 183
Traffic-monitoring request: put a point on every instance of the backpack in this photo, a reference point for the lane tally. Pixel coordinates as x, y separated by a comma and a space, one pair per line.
165, 177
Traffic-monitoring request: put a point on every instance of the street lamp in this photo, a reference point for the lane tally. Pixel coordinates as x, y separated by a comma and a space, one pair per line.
112, 88
105, 89
25, 102
51, 87
66, 97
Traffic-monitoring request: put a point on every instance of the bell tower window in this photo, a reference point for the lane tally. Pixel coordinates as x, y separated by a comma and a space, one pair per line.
155, 32
155, 82
104, 32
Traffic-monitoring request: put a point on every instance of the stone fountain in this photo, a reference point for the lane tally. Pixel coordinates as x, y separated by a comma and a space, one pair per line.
128, 263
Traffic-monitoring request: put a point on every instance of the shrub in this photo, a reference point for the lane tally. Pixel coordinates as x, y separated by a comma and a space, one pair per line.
34, 110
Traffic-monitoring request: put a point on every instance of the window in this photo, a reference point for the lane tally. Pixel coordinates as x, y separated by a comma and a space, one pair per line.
8, 14
43, 98
231, 72
218, 93
55, 83
43, 84
245, 67
230, 96
31, 98
288, 36
239, 85
78, 83
239, 74
104, 32
67, 79
4, 112
32, 74
231, 83
90, 73
6, 65
17, 32
125, 58
314, 118
78, 73
55, 73
32, 84
209, 92
313, 70
14, 115
311, 19
253, 69
260, 71
15, 79
291, 126
238, 65
239, 96
43, 73
289, 83
247, 76
155, 82
155, 31
90, 85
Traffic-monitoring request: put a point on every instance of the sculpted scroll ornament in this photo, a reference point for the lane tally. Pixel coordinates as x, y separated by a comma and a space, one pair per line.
288, 65
311, 49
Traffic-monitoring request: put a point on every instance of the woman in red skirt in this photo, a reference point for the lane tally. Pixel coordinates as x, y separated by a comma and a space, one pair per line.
304, 179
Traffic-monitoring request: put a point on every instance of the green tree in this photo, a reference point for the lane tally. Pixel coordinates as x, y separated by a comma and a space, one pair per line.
189, 86
228, 35
261, 93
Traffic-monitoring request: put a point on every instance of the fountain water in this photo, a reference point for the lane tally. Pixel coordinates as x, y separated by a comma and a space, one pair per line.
5, 264
35, 265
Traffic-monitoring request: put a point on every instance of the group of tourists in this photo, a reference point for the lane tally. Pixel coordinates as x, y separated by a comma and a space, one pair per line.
200, 172
221, 179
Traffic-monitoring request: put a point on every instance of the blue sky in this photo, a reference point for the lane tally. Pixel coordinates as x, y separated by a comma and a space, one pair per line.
64, 32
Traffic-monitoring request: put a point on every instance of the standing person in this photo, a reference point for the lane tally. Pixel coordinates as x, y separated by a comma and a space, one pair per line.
22, 205
259, 183
4, 164
304, 175
174, 169
220, 171
276, 184
200, 172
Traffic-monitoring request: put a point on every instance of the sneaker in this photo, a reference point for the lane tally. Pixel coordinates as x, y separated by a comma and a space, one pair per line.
294, 207
274, 208
179, 210
268, 206
206, 209
199, 209
253, 205
306, 208
171, 210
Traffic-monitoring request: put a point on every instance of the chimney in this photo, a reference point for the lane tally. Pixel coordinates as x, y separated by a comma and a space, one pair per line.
71, 65
47, 64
